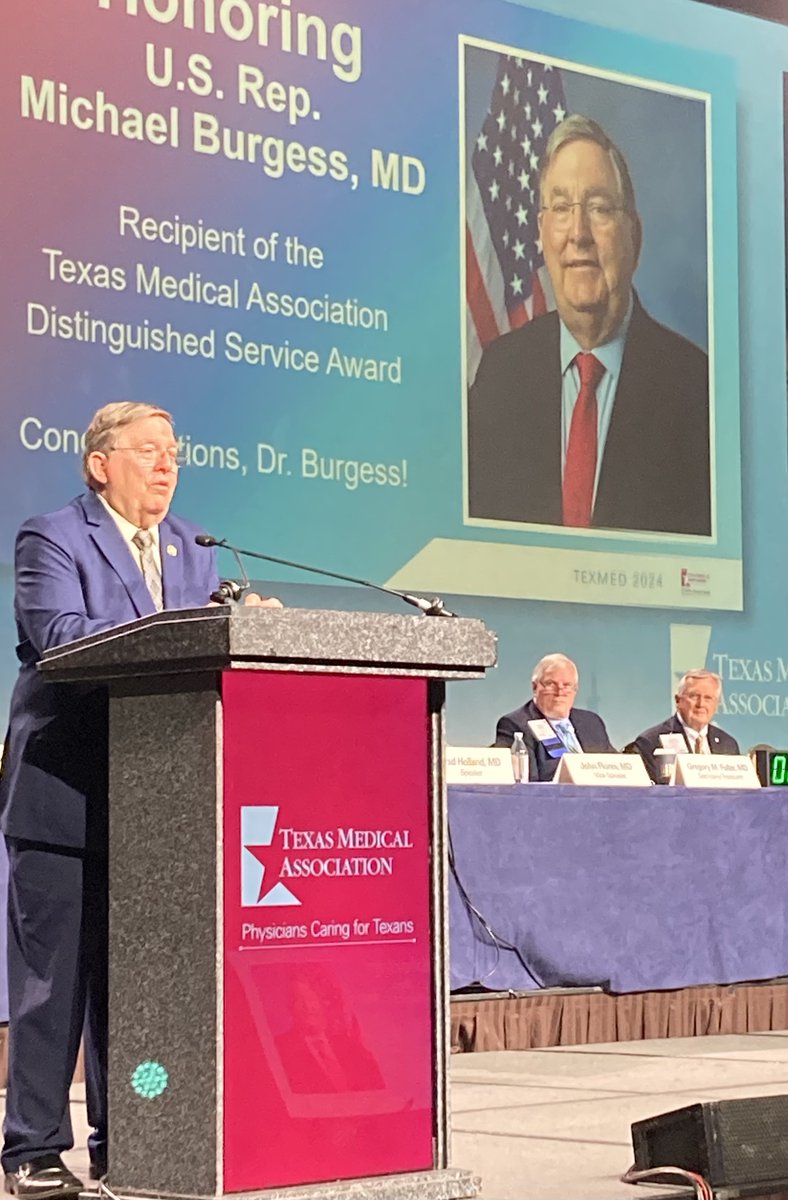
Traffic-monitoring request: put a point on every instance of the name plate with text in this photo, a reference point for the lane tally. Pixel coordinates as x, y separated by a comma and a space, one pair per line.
478, 764
715, 771
610, 770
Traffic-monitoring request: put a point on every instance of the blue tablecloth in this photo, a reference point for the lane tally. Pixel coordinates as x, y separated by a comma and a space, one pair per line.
629, 889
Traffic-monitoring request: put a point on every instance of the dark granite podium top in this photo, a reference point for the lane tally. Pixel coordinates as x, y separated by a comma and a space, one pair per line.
293, 639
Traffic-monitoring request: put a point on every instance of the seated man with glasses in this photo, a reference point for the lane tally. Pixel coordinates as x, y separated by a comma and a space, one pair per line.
549, 723
697, 699
594, 415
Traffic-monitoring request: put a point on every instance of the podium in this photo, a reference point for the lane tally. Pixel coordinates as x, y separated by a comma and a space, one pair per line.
278, 912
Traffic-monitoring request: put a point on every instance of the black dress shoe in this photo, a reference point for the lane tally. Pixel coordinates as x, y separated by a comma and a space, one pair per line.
98, 1168
43, 1178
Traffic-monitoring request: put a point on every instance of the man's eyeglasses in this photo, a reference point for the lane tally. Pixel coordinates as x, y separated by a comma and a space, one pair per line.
555, 688
149, 456
600, 213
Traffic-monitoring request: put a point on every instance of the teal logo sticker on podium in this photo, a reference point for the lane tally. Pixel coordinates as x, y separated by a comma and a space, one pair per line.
149, 1079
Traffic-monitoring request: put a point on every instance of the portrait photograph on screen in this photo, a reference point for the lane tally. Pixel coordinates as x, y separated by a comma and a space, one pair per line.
589, 399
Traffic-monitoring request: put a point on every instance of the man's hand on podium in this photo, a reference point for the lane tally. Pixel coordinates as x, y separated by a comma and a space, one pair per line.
254, 599
258, 601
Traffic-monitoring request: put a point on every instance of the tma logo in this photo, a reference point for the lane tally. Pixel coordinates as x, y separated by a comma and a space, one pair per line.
258, 823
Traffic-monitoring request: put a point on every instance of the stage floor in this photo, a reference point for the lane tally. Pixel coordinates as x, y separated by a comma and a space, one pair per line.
554, 1124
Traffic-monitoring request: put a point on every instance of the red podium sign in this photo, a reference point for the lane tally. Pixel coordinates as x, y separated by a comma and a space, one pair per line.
328, 1038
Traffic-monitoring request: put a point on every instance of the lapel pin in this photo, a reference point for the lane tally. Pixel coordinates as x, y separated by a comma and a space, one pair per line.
172, 550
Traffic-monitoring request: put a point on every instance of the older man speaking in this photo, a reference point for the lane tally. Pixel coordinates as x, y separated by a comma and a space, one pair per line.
111, 555
593, 416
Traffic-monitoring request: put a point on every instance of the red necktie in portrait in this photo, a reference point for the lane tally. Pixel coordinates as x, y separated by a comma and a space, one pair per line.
581, 450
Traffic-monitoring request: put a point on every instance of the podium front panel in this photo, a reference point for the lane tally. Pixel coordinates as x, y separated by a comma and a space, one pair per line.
326, 1014
165, 796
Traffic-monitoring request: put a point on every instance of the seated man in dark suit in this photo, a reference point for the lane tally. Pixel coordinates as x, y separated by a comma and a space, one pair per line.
697, 700
550, 717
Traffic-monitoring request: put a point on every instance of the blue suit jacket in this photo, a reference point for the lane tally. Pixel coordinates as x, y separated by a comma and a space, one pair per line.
76, 576
590, 730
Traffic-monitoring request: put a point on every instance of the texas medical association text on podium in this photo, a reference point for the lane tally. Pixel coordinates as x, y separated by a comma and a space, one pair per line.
278, 935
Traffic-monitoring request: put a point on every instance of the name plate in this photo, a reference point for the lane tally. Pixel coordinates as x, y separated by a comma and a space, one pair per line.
715, 771
611, 770
477, 764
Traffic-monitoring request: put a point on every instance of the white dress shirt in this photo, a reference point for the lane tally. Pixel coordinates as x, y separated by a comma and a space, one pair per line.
127, 531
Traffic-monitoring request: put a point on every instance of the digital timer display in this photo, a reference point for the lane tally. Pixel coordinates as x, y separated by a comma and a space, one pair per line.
771, 766
778, 769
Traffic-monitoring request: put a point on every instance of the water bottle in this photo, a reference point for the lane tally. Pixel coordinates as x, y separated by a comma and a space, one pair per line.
519, 759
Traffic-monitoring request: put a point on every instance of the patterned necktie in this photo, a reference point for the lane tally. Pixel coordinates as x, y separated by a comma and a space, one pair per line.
581, 450
143, 540
699, 746
567, 734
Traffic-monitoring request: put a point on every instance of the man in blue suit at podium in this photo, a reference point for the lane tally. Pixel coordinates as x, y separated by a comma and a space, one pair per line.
112, 555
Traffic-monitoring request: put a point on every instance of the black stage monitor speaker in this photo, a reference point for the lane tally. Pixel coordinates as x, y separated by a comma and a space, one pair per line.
728, 1142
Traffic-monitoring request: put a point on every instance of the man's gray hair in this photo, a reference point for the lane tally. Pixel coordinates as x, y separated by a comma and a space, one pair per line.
698, 673
102, 431
552, 660
575, 128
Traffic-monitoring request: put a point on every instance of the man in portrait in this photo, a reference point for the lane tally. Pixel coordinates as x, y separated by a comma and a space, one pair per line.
593, 415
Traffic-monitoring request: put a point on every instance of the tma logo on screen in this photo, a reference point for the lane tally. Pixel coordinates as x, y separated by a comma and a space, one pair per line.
258, 823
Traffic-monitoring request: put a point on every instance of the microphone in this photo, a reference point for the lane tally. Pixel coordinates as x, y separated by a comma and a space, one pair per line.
430, 608
229, 591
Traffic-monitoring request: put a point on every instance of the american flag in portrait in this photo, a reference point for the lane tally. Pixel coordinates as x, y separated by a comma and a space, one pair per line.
506, 280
